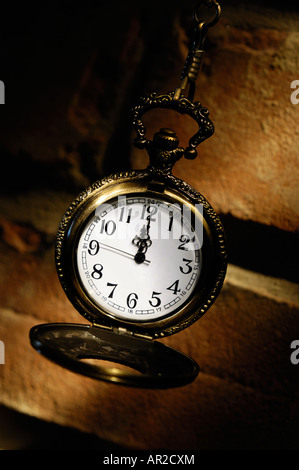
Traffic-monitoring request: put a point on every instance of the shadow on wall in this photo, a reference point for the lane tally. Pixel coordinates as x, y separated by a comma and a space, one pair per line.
262, 248
21, 432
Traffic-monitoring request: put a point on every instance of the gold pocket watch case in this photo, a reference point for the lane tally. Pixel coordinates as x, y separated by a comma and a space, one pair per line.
141, 255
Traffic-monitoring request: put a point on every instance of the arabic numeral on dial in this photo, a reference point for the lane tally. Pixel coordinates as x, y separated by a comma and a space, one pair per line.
108, 227
156, 301
151, 210
174, 287
170, 221
122, 212
109, 284
94, 247
187, 268
132, 300
97, 271
184, 239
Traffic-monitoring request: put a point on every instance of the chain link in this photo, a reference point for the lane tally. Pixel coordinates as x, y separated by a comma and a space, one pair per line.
203, 21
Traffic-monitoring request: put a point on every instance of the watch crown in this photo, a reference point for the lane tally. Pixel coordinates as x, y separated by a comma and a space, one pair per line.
166, 139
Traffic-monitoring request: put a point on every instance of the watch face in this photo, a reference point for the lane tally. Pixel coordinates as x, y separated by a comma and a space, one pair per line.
139, 259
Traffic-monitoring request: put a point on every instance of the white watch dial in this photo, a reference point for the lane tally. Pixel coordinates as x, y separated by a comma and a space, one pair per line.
139, 259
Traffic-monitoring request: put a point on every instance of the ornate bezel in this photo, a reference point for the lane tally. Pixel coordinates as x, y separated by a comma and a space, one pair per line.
150, 183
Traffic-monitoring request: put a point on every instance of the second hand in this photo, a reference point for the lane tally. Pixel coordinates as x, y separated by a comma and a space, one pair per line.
121, 252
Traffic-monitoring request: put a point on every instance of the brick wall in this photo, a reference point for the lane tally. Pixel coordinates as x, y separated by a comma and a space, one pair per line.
71, 75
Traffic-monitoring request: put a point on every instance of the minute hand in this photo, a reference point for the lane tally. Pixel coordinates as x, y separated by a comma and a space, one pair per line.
119, 252
143, 242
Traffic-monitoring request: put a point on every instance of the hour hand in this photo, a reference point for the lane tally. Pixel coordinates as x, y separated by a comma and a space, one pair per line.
143, 243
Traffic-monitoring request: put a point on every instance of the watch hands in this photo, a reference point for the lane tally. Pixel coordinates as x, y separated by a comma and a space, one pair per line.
120, 252
143, 242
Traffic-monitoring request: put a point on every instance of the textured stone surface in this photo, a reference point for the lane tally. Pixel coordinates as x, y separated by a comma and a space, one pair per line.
250, 166
71, 127
243, 347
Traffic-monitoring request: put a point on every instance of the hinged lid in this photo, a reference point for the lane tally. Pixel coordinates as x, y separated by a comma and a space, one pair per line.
154, 364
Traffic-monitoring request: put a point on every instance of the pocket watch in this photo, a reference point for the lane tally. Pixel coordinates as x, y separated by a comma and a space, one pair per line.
141, 255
